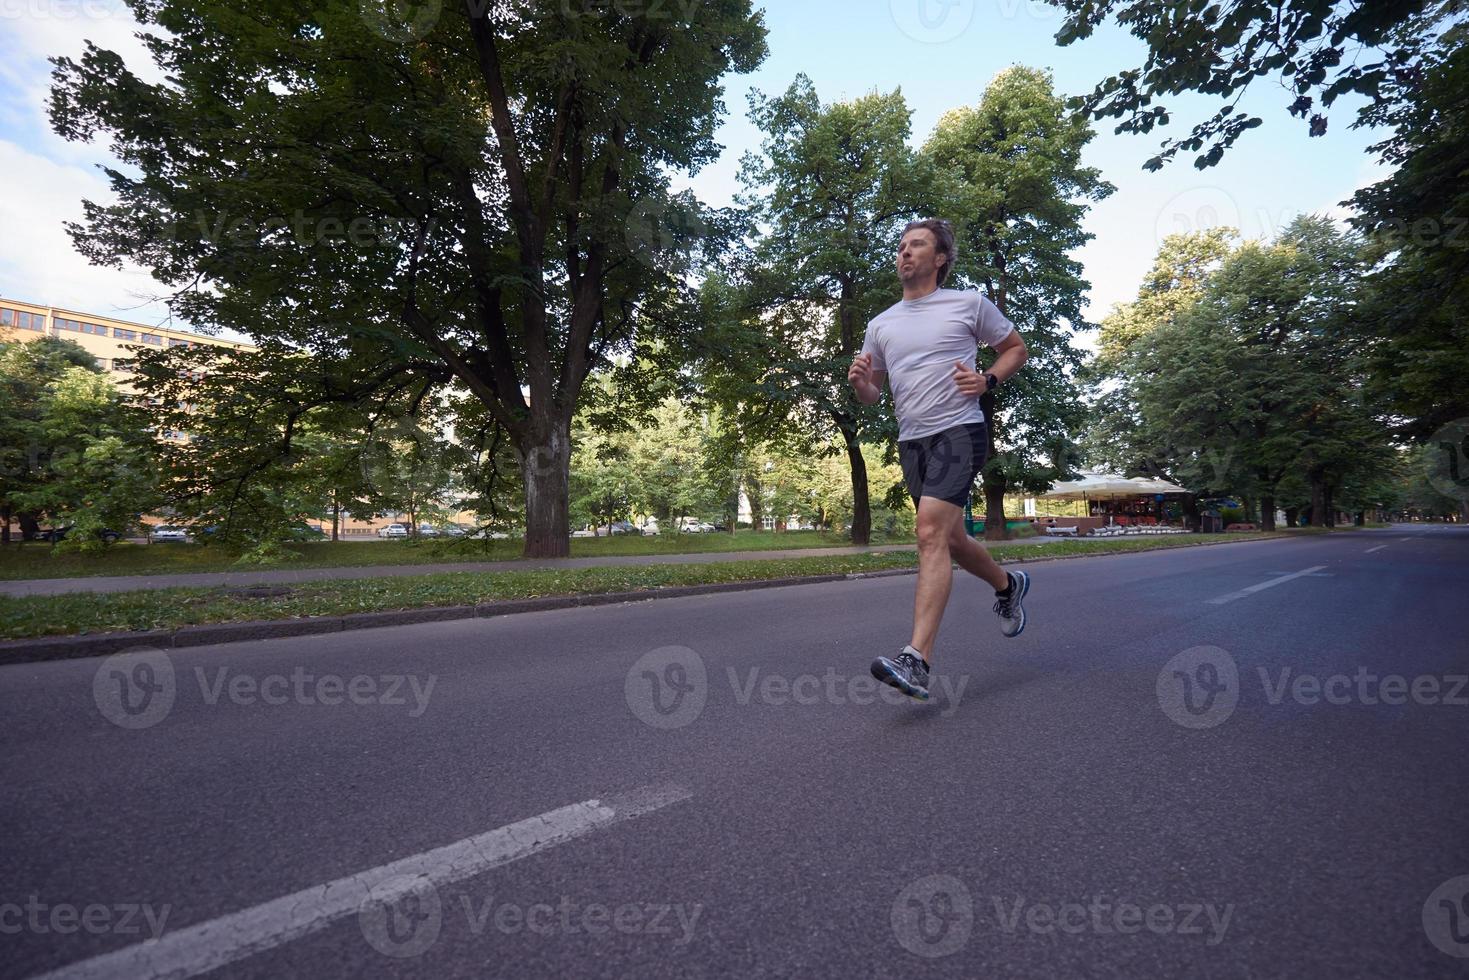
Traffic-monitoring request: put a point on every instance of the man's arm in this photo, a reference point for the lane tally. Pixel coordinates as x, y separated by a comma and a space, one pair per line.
866, 380
1013, 355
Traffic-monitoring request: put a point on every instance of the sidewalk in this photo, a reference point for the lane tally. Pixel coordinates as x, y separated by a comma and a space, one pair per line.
285, 576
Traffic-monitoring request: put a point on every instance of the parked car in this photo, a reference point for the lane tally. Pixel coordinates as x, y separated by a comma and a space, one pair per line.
691, 525
453, 530
428, 531
167, 532
59, 533
624, 527
585, 532
301, 531
393, 531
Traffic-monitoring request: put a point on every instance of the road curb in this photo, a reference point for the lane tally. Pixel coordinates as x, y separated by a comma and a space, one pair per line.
43, 649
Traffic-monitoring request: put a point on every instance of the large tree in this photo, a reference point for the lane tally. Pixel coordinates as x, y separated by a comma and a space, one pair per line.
476, 197
1018, 193
830, 192
1317, 51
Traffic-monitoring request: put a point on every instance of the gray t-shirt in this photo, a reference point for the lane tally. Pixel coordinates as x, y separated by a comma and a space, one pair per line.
917, 342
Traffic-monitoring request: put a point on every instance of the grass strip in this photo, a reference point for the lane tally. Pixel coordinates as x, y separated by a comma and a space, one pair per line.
40, 561
80, 613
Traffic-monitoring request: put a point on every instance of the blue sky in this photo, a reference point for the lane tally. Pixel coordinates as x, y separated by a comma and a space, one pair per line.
942, 53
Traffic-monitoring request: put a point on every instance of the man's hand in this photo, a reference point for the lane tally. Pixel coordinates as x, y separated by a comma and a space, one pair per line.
969, 381
859, 375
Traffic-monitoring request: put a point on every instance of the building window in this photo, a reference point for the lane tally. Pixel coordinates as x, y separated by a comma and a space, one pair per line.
124, 364
122, 334
7, 318
31, 321
94, 328
64, 324
176, 342
152, 338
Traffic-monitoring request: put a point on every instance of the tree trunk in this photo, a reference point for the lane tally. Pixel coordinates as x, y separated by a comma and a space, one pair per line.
1267, 513
1361, 519
336, 517
1329, 508
1318, 500
861, 505
5, 525
755, 493
1292, 516
994, 507
546, 469
1191, 519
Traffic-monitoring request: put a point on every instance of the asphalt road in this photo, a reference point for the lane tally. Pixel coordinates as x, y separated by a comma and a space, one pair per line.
1192, 763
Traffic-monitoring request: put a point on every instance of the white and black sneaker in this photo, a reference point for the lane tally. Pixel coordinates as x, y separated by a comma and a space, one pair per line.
907, 672
1009, 607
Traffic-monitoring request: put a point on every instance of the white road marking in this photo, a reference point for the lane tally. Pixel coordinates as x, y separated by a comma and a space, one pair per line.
1242, 593
210, 945
1378, 548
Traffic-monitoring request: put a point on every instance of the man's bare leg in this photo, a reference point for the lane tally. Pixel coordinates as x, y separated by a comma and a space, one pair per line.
937, 522
975, 559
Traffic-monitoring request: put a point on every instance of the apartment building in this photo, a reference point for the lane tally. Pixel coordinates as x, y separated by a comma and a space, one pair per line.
106, 338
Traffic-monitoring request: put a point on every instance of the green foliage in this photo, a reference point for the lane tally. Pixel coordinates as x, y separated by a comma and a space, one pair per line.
478, 200
1014, 180
76, 454
1317, 51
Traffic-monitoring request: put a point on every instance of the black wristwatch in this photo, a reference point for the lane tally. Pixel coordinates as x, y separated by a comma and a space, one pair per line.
991, 381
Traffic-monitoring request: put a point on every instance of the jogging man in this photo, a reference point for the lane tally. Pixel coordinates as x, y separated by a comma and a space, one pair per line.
926, 347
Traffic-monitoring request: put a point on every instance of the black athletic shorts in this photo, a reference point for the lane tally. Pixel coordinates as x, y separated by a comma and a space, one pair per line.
944, 464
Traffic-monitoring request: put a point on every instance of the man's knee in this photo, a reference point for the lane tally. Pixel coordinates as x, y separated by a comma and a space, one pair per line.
935, 531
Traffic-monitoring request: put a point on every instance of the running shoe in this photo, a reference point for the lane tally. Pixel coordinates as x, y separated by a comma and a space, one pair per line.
907, 672
1009, 608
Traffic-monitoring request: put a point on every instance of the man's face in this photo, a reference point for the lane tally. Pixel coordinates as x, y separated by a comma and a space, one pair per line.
919, 258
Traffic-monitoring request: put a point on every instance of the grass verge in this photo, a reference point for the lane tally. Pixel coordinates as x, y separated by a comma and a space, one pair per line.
90, 612
39, 561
